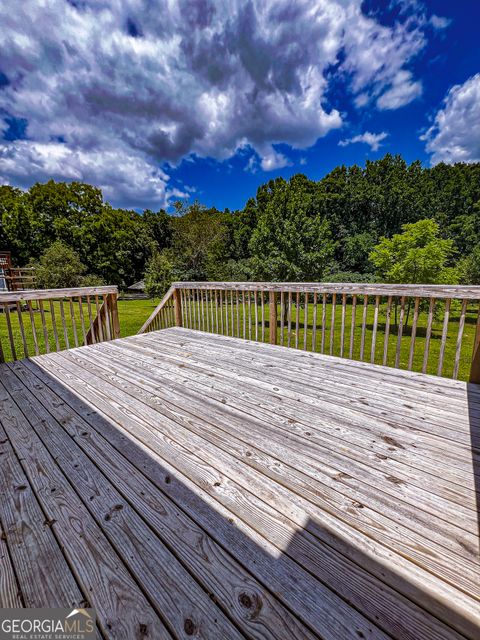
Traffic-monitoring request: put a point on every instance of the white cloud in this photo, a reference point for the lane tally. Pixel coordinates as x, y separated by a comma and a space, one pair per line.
455, 133
372, 139
118, 81
438, 22
401, 91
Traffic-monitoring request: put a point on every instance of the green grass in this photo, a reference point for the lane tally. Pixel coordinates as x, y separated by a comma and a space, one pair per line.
133, 314
420, 341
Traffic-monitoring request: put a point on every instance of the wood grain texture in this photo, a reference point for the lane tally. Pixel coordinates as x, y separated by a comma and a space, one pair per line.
277, 492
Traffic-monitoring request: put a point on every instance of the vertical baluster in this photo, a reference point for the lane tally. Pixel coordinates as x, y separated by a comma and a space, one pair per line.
458, 350
444, 336
413, 334
475, 366
249, 315
255, 302
191, 308
2, 353
324, 321
332, 327
64, 324
305, 322
220, 311
186, 309
387, 330
72, 317
263, 315
55, 330
98, 319
108, 318
342, 327
22, 329
400, 332
188, 296
202, 309
428, 334
10, 333
364, 326
282, 315
352, 326
90, 320
199, 314
183, 307
297, 319
212, 315
82, 319
244, 311
227, 321
194, 308
34, 329
217, 297
314, 327
232, 312
44, 326
207, 315
272, 324
374, 333
289, 319
237, 303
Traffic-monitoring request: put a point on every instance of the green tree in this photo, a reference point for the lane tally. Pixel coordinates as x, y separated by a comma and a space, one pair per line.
419, 255
158, 274
292, 240
469, 267
59, 267
200, 243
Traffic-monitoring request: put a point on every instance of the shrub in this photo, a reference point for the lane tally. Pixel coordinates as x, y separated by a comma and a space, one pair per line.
59, 267
158, 274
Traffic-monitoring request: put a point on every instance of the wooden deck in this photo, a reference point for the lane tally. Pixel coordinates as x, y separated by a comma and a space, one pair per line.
186, 484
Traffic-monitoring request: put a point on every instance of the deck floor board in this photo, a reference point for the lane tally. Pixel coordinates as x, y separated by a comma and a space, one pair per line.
224, 488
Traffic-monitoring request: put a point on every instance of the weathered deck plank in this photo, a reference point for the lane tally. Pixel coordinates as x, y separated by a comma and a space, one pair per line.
264, 492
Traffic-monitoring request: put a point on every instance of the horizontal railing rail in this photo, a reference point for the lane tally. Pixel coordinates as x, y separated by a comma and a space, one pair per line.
39, 321
428, 328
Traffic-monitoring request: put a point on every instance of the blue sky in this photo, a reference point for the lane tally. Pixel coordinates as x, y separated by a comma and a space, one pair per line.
210, 98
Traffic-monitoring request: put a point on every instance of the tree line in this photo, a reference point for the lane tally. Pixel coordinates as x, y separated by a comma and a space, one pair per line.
389, 221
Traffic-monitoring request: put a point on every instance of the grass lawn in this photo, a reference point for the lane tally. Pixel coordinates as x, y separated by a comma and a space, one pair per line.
133, 314
435, 341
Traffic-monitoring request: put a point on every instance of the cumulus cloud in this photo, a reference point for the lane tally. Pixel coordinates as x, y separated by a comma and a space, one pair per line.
455, 133
372, 139
113, 89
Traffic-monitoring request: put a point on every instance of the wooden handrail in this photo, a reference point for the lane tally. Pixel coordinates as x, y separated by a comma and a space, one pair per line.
383, 324
44, 320
47, 294
157, 310
412, 290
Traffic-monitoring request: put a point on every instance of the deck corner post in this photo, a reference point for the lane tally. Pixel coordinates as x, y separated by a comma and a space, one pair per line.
177, 303
475, 366
273, 317
113, 308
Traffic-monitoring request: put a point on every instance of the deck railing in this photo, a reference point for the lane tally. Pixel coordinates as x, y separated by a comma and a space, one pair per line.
429, 328
44, 320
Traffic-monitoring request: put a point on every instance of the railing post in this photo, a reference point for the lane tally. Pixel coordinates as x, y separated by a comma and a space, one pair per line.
273, 317
177, 304
475, 367
113, 304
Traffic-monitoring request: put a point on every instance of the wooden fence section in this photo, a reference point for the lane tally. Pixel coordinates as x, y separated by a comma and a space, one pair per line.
428, 328
41, 321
